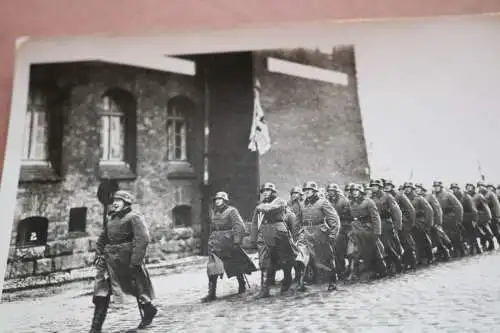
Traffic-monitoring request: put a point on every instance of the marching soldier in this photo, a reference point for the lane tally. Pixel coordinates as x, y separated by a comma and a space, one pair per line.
224, 246
343, 209
453, 214
121, 269
364, 237
295, 204
319, 227
391, 219
424, 219
494, 204
438, 237
408, 223
470, 218
273, 239
484, 217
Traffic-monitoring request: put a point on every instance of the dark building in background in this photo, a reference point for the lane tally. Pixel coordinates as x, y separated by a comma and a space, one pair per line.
146, 129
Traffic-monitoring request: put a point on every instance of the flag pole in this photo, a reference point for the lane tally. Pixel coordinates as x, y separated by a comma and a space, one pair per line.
205, 222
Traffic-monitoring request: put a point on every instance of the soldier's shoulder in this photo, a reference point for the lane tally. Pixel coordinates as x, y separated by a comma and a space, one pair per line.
135, 214
369, 202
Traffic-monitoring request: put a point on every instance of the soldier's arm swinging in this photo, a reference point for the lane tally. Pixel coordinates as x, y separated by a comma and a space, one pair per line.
238, 226
410, 210
473, 208
396, 213
332, 219
496, 205
457, 207
375, 218
140, 241
428, 212
483, 203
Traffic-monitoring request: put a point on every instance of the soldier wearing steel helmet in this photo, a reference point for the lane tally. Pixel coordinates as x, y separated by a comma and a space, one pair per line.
391, 219
408, 222
319, 227
453, 214
224, 246
120, 262
365, 246
343, 208
424, 220
438, 236
469, 222
494, 205
271, 235
483, 229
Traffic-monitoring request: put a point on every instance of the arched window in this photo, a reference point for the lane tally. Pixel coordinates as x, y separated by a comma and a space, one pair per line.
36, 132
179, 111
112, 131
117, 112
32, 231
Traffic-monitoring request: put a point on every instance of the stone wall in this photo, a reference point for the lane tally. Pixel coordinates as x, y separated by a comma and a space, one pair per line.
157, 184
315, 127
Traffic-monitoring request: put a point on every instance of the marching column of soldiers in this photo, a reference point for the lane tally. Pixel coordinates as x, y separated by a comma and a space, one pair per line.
318, 234
331, 234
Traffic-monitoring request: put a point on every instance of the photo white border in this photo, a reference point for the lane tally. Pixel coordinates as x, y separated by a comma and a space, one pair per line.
150, 48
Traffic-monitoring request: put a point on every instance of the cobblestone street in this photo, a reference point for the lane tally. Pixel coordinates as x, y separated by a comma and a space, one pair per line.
459, 296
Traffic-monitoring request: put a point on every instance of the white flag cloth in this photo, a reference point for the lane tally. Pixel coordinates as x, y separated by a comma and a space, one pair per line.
259, 135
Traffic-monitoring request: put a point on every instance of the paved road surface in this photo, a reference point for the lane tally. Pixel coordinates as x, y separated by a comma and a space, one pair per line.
459, 296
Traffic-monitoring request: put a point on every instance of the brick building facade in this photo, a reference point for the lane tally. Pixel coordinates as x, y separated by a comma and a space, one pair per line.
146, 129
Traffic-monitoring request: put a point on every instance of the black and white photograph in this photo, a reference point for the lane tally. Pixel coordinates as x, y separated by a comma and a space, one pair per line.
342, 179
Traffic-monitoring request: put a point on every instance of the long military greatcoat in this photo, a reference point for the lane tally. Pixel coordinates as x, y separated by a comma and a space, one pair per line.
424, 214
391, 219
227, 231
470, 210
453, 211
343, 209
483, 209
493, 203
438, 235
436, 208
408, 221
319, 227
271, 233
366, 230
124, 248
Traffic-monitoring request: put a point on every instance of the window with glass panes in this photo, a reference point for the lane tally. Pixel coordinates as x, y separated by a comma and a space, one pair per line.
177, 129
36, 129
112, 132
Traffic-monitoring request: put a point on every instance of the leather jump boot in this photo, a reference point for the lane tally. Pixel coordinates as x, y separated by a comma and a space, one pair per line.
242, 287
287, 280
212, 287
264, 284
149, 312
100, 312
